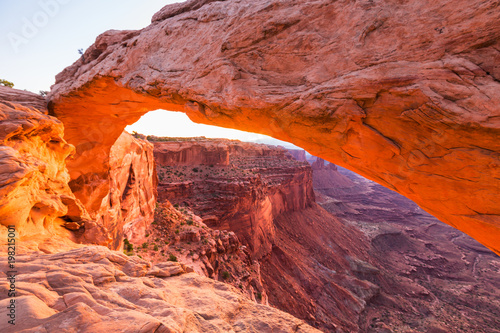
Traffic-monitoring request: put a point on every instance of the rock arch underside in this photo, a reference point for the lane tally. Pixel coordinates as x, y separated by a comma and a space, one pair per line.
403, 92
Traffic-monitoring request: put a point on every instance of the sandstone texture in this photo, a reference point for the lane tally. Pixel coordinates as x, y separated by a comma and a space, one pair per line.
49, 209
255, 184
180, 235
94, 289
293, 254
128, 208
405, 93
34, 194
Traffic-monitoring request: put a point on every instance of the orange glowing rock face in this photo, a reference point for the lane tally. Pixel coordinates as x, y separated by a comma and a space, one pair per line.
34, 194
408, 100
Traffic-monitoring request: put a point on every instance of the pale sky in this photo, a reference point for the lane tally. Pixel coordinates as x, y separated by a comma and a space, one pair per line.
39, 38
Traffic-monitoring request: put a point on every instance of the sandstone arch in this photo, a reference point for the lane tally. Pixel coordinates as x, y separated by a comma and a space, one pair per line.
405, 93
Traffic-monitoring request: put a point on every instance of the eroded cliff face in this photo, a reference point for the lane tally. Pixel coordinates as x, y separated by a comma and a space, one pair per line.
196, 152
312, 271
303, 254
34, 194
254, 185
128, 208
327, 176
404, 93
431, 277
49, 210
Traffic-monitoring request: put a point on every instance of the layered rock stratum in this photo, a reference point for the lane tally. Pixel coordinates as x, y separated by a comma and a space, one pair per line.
34, 194
432, 278
252, 184
302, 254
404, 93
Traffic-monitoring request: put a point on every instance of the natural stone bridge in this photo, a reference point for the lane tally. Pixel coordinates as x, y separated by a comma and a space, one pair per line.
405, 93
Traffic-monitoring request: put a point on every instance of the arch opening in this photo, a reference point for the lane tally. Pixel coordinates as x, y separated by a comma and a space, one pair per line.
419, 118
435, 182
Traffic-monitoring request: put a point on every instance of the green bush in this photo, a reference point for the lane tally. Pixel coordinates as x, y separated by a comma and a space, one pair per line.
225, 275
171, 257
127, 246
6, 83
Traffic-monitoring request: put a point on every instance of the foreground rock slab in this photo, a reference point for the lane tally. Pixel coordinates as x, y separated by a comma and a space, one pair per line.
94, 289
404, 93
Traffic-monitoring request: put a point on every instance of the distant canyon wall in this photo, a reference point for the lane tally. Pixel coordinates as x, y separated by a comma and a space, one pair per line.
267, 198
254, 185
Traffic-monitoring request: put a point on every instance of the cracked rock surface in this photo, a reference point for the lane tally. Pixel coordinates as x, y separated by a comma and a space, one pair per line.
94, 289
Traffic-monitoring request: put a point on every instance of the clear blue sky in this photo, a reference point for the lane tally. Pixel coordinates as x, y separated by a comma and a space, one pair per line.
39, 38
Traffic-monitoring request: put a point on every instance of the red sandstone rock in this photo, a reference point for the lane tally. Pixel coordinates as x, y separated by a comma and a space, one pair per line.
245, 194
404, 93
34, 194
427, 271
180, 235
191, 153
94, 289
129, 191
298, 154
129, 208
327, 176
308, 272
303, 252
